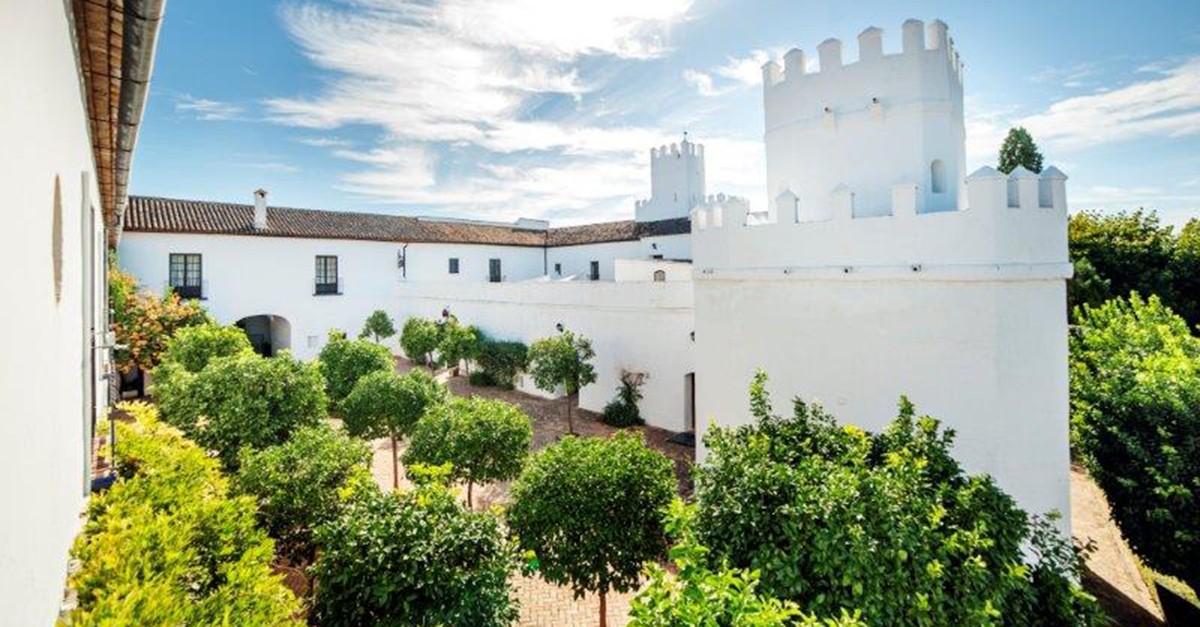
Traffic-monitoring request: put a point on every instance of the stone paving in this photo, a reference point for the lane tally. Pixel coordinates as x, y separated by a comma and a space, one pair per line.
544, 604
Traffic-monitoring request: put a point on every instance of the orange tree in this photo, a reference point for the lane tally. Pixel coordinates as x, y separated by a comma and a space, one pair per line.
144, 321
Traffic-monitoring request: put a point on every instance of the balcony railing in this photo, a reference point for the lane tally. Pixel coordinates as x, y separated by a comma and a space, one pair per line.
325, 288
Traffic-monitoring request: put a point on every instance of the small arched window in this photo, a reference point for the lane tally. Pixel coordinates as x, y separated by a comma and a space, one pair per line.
660, 276
937, 176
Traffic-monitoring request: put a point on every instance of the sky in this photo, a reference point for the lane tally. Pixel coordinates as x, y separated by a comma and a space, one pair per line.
498, 109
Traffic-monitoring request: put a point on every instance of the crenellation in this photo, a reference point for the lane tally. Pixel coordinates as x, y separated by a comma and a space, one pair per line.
772, 74
913, 37
829, 54
870, 44
793, 63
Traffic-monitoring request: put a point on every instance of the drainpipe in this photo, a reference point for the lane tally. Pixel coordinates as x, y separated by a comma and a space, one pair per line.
404, 268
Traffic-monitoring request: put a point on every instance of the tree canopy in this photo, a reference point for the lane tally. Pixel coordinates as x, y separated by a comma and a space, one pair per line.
1019, 149
385, 404
378, 326
562, 361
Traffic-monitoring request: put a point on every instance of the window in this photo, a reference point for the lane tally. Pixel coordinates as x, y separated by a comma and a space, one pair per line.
558, 269
937, 177
185, 276
327, 275
454, 265
595, 271
660, 276
494, 275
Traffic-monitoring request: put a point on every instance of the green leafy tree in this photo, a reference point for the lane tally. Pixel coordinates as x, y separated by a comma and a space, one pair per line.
193, 347
244, 400
591, 510
168, 545
143, 321
501, 361
385, 404
343, 362
696, 595
416, 557
1185, 273
1118, 254
1019, 149
483, 439
298, 484
563, 362
419, 339
836, 519
456, 343
378, 326
1135, 424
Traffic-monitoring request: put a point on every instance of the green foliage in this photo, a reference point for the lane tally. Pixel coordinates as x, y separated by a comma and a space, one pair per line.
413, 558
143, 321
167, 545
698, 596
244, 400
500, 361
299, 484
385, 404
562, 361
483, 439
838, 519
343, 362
623, 411
1135, 424
191, 348
1185, 273
419, 339
1019, 149
456, 343
591, 510
378, 326
1126, 252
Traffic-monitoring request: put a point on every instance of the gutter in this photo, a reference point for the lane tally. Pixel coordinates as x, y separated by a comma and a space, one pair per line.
142, 20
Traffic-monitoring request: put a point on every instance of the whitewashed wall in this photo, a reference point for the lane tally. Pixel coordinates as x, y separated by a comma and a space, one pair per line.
45, 377
576, 260
640, 327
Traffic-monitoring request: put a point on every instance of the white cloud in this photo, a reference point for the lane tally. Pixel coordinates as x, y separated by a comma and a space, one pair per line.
324, 142
439, 74
1166, 105
736, 74
206, 109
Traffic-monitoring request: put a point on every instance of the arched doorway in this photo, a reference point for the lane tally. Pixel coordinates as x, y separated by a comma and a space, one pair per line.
268, 334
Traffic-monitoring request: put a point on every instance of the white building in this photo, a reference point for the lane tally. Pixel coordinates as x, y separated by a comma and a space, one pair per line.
74, 81
877, 269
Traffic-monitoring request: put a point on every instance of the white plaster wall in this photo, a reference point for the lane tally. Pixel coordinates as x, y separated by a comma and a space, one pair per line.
431, 262
637, 327
988, 358
642, 270
44, 366
676, 182
576, 260
669, 246
918, 118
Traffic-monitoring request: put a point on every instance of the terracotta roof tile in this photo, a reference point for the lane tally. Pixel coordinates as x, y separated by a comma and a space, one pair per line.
168, 215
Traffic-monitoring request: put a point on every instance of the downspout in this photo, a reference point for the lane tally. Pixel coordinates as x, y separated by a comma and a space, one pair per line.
404, 268
142, 21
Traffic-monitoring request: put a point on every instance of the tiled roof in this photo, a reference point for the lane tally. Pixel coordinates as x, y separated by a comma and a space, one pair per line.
168, 215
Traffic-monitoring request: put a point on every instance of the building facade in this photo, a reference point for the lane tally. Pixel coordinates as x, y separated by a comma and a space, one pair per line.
877, 269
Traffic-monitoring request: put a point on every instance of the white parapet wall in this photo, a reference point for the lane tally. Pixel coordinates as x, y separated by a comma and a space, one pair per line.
637, 327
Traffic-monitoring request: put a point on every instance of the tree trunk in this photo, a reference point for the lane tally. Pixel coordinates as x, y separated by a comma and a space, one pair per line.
603, 610
470, 484
395, 466
570, 422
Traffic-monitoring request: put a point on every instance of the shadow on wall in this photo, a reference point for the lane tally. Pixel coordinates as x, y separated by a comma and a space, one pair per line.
268, 333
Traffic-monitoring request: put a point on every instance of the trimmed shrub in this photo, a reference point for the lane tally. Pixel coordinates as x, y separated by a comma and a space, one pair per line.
191, 348
343, 362
836, 519
456, 343
244, 401
695, 595
591, 510
1135, 425
378, 326
416, 557
623, 411
481, 379
500, 362
419, 339
388, 405
167, 545
298, 485
483, 439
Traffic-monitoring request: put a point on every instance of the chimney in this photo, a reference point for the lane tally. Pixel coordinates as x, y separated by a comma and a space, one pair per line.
260, 210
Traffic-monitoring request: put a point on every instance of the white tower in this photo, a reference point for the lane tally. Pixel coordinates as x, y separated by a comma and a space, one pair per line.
676, 182
865, 126
900, 277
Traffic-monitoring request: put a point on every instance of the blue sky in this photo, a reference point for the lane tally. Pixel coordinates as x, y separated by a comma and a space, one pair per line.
503, 108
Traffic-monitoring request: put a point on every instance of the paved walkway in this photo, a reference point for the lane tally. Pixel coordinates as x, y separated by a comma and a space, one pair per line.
544, 604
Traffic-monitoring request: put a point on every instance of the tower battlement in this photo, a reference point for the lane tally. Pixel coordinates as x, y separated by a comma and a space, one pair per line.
1009, 221
676, 181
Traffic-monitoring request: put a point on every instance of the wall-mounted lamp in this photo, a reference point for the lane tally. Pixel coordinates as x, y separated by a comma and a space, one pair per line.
445, 312
692, 335
559, 326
